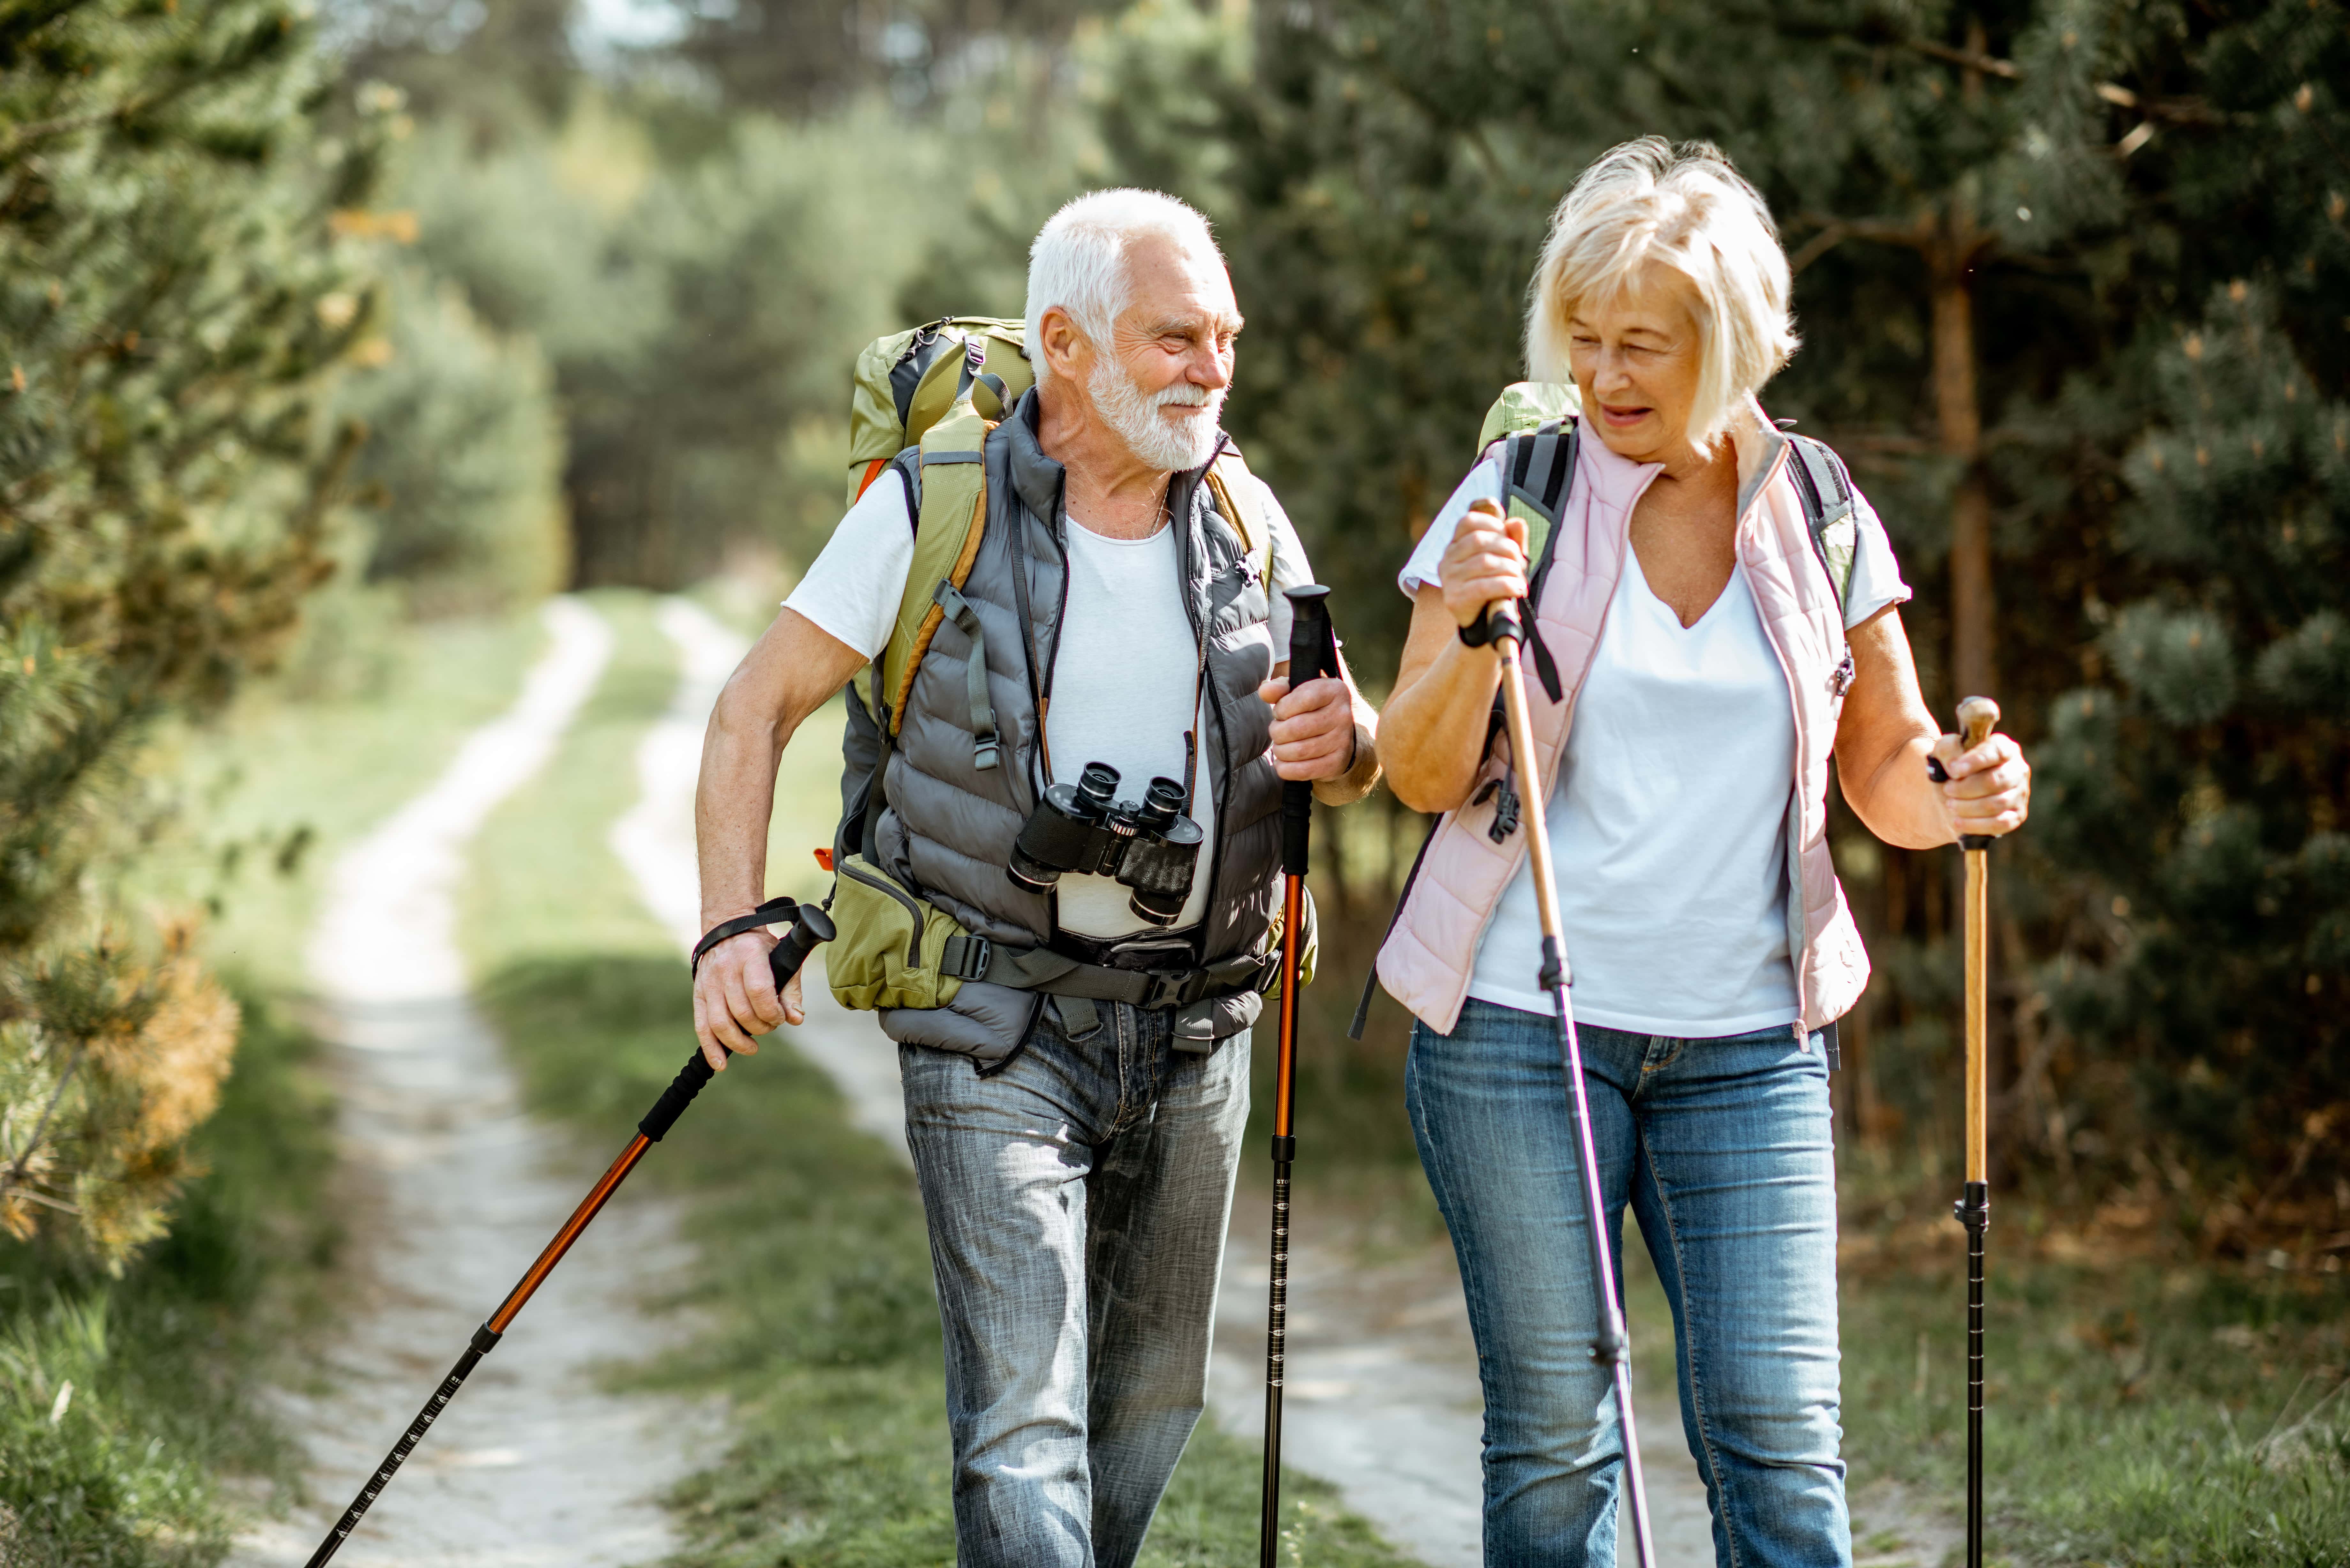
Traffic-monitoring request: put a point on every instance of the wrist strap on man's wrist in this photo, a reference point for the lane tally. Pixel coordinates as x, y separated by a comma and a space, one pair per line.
773, 912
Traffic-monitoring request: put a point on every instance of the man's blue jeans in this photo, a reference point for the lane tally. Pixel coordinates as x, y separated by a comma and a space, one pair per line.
1723, 1149
1077, 1203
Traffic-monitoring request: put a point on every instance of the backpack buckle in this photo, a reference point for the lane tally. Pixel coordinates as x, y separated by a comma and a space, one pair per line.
966, 957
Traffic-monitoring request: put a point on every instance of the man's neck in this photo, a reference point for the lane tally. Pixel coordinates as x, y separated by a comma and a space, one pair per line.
1110, 491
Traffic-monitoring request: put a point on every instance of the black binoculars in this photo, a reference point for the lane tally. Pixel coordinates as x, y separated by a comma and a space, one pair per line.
1151, 847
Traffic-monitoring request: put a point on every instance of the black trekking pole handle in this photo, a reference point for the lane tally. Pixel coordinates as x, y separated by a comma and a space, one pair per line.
810, 925
1496, 621
1312, 655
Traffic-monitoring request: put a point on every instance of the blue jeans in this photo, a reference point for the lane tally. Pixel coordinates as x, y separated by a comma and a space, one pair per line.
1077, 1201
1723, 1149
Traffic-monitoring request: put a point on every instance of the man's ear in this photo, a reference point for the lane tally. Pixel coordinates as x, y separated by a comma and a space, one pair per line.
1065, 346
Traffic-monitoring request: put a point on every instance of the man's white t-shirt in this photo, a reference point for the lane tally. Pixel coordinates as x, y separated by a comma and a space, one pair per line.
1669, 819
1124, 678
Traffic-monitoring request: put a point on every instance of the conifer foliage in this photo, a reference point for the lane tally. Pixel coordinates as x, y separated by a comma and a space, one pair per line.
2202, 784
171, 299
2073, 278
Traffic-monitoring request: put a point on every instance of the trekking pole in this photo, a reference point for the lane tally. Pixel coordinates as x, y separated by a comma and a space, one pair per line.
1976, 717
1313, 653
1614, 1346
810, 926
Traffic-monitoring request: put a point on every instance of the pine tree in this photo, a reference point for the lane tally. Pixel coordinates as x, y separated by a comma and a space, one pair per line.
171, 302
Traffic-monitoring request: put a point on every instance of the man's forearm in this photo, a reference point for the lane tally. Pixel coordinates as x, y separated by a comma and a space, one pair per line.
732, 803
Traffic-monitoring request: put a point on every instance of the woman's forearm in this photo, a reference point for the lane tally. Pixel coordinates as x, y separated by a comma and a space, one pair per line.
1432, 734
1884, 740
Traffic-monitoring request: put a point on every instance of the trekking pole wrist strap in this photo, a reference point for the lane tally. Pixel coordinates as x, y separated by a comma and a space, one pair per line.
773, 912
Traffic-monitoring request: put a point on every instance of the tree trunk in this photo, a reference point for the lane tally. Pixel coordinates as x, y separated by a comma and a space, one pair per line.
1959, 419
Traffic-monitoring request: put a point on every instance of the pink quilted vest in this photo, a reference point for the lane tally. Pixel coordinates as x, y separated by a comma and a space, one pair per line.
1427, 958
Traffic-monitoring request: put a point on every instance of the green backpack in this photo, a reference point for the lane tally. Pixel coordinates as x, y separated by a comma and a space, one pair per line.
923, 403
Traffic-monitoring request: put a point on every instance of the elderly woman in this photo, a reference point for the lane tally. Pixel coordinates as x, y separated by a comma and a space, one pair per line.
1709, 667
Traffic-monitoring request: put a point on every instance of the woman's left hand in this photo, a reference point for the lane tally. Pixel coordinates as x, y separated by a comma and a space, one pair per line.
1990, 787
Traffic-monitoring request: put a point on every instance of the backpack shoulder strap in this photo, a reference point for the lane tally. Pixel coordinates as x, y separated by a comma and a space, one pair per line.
1828, 495
1537, 475
1236, 495
951, 518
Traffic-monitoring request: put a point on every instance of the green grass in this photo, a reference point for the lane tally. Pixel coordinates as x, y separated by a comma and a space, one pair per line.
125, 1471
2176, 1417
813, 1300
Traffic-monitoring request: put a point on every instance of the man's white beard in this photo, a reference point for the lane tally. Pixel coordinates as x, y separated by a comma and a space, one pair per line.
1154, 439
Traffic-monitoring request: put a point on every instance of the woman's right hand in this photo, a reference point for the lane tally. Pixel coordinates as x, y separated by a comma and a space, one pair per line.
1486, 561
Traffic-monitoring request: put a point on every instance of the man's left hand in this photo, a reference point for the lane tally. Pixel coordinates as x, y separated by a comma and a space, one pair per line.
1313, 727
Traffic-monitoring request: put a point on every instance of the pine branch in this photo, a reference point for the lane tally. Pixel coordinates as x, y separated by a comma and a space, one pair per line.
14, 1179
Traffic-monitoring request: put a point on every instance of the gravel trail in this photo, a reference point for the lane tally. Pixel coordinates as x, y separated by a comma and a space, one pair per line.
533, 1464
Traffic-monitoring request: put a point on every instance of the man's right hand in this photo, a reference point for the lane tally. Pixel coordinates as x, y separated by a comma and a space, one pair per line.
735, 998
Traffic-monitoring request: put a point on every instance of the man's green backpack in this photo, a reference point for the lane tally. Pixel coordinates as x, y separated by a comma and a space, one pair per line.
923, 403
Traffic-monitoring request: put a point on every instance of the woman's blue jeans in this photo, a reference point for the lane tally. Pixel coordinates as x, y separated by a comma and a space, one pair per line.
1723, 1149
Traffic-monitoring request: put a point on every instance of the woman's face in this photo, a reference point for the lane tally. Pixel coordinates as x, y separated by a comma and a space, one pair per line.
1636, 363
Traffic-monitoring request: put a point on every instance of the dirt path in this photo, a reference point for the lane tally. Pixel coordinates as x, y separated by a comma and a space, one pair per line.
531, 1464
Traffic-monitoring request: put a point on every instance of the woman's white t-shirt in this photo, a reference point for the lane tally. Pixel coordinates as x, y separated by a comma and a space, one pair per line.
1123, 678
1669, 819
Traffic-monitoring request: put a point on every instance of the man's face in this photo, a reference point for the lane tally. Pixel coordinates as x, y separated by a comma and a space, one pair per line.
1162, 385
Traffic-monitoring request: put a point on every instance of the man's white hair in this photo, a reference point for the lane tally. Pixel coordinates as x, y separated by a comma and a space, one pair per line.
1687, 208
1079, 260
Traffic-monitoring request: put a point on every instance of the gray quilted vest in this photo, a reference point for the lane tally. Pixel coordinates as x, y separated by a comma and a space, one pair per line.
946, 825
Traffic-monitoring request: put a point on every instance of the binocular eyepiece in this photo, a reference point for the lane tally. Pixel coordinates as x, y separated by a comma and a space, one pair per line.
1149, 847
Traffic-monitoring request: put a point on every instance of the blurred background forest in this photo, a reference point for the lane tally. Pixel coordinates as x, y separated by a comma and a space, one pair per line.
321, 322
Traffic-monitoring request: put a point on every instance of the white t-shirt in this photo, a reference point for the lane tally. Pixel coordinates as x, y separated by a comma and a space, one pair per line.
1122, 681
1669, 819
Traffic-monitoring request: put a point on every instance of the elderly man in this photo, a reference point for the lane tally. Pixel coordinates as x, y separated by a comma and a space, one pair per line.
1075, 1135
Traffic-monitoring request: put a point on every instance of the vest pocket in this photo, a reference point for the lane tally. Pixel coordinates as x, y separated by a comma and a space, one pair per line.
890, 943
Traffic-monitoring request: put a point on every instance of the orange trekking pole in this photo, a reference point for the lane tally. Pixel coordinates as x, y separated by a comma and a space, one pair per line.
810, 925
1313, 653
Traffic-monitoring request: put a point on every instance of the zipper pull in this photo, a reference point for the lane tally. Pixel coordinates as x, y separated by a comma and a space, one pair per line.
1840, 680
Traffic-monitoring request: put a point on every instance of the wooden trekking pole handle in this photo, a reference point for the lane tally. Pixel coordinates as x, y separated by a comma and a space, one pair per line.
1977, 715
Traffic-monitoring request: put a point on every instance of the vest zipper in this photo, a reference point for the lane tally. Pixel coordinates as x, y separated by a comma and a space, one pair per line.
1798, 918
1208, 694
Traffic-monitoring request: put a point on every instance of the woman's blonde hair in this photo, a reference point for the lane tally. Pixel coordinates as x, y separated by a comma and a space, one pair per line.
1687, 208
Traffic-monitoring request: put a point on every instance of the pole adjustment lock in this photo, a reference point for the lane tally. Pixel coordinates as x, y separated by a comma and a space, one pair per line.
1973, 1210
